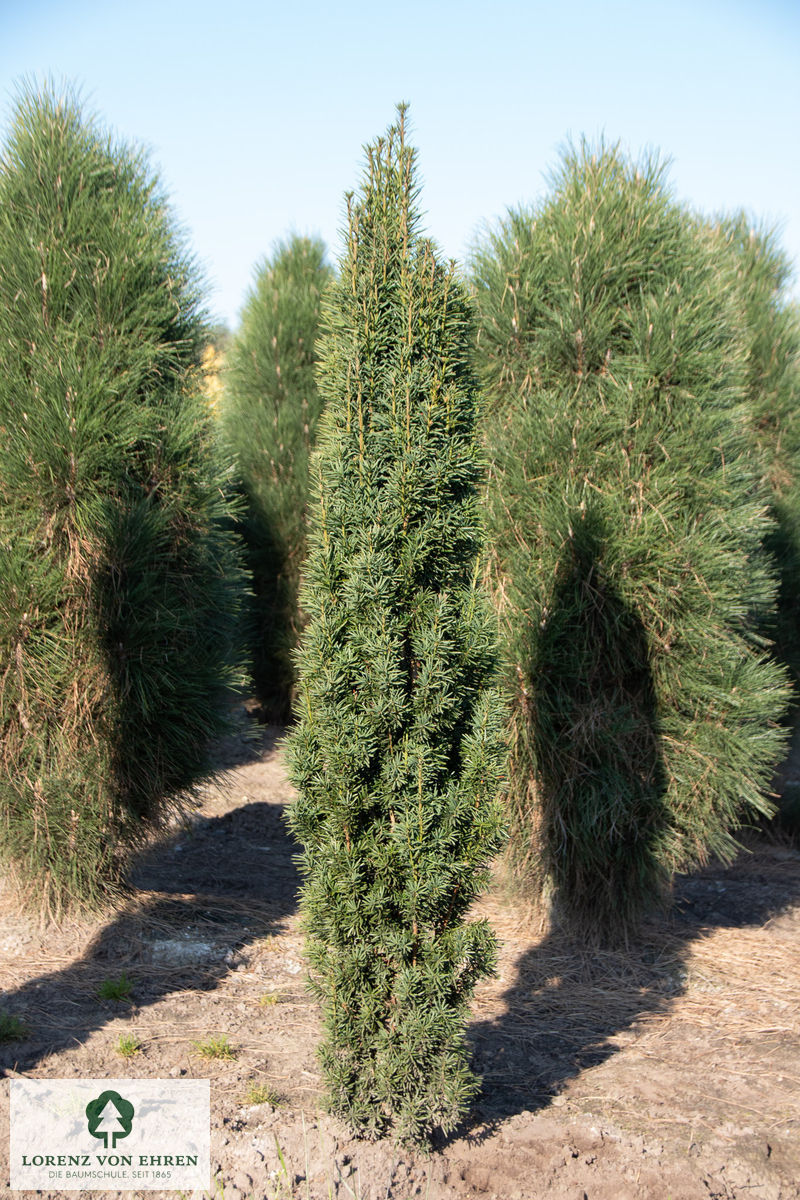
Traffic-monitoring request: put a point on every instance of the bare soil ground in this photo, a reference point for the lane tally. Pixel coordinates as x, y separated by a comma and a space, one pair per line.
667, 1071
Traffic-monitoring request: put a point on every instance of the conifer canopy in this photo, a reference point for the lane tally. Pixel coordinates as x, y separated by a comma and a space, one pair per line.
761, 272
270, 416
398, 747
118, 581
629, 515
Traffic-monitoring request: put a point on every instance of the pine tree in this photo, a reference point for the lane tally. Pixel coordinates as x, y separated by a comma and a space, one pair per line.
270, 419
629, 518
771, 327
118, 581
398, 748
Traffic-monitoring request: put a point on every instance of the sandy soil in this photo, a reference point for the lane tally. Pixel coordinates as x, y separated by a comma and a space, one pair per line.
669, 1071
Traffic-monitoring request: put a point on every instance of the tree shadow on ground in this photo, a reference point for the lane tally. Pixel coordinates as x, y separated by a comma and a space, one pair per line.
198, 900
569, 1001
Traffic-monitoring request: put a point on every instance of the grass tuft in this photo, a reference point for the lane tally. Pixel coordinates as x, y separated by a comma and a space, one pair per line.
12, 1029
262, 1093
128, 1045
215, 1047
115, 989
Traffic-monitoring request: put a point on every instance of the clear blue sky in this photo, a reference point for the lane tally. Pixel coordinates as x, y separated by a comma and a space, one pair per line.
255, 112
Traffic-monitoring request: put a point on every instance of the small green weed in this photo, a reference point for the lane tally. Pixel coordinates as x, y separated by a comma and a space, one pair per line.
267, 999
262, 1093
12, 1029
215, 1047
115, 989
281, 1159
128, 1045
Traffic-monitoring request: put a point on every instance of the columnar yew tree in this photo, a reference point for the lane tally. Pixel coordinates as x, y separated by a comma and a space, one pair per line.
270, 417
118, 581
629, 519
398, 747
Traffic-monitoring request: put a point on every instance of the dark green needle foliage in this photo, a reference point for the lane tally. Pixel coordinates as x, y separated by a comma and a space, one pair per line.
118, 582
629, 519
762, 272
269, 418
398, 749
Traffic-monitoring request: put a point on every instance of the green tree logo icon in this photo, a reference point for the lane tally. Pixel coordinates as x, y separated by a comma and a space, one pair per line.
109, 1116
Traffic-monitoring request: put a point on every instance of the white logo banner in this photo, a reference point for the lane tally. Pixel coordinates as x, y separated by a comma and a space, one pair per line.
110, 1134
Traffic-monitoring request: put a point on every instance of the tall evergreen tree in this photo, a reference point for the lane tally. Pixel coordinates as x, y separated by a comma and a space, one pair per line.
118, 581
771, 328
269, 418
629, 518
398, 748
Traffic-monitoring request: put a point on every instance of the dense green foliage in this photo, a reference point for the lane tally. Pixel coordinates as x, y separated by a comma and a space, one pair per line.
270, 417
118, 582
629, 519
771, 326
398, 748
